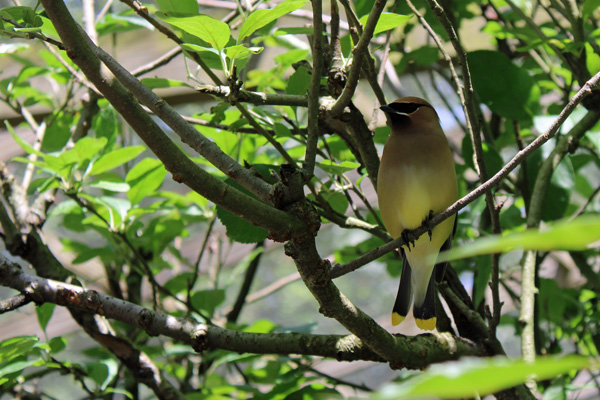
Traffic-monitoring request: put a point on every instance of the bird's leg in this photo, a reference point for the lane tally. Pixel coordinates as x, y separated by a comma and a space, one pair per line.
408, 237
426, 222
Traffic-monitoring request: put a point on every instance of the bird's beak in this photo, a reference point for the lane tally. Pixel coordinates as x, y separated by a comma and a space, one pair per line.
392, 111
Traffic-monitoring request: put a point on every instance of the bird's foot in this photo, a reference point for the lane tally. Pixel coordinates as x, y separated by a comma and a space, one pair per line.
426, 222
409, 238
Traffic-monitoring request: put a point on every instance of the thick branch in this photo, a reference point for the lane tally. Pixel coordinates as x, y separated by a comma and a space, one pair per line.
279, 223
415, 352
182, 128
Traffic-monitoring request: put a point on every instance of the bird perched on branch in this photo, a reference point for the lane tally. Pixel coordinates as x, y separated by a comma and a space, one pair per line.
416, 180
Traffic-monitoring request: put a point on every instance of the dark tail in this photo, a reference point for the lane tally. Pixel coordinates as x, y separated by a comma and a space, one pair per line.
425, 313
404, 297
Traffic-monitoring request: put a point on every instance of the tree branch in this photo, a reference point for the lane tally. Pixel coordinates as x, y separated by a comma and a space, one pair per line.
359, 52
13, 303
280, 224
232, 316
314, 89
256, 98
411, 352
31, 247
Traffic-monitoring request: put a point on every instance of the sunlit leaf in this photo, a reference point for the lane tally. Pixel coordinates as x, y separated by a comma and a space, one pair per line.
44, 313
565, 235
24, 145
212, 31
337, 168
116, 158
262, 17
473, 377
387, 21
178, 6
103, 372
144, 178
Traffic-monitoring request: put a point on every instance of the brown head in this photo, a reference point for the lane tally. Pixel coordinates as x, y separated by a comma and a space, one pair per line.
412, 111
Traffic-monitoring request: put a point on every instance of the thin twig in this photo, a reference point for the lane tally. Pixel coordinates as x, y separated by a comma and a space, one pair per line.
14, 303
359, 51
272, 288
314, 89
256, 98
262, 131
159, 62
242, 298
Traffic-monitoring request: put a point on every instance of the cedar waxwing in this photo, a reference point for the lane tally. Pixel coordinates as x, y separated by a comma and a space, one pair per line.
416, 180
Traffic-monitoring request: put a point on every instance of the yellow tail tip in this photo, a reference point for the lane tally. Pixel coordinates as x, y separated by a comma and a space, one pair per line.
397, 318
426, 324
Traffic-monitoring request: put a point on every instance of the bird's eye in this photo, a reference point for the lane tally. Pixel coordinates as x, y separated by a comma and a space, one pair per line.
406, 108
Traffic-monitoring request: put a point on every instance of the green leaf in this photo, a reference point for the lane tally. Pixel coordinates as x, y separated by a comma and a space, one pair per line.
144, 178
261, 17
103, 372
44, 313
386, 21
589, 6
474, 377
178, 6
208, 300
58, 133
337, 168
212, 31
240, 230
116, 158
105, 125
24, 145
119, 391
209, 55
85, 149
13, 368
555, 209
564, 235
57, 344
16, 346
179, 282
119, 187
293, 31
423, 56
491, 157
505, 88
299, 81
113, 23
161, 83
316, 391
337, 201
240, 51
484, 272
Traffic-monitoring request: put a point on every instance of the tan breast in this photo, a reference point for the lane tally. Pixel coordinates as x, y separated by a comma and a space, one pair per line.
416, 175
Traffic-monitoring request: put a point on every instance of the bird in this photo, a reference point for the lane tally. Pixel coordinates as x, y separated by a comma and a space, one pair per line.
416, 180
